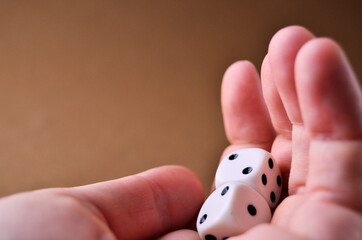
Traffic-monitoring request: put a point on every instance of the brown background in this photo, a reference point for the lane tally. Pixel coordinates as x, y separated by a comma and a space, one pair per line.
96, 90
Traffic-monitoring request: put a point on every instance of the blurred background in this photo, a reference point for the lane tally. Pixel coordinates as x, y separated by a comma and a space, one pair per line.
97, 90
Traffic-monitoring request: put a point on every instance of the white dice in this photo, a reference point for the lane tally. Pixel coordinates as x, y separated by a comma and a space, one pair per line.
248, 185
230, 210
254, 167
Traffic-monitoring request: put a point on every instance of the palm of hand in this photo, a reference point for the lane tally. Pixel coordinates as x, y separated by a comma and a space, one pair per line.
311, 103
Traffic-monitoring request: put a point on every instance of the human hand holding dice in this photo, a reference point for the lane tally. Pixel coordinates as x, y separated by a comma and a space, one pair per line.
248, 185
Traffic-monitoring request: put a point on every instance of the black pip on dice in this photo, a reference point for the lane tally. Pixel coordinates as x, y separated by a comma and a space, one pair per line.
248, 185
230, 210
254, 167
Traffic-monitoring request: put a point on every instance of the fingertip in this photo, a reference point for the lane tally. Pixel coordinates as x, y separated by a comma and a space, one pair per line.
183, 190
289, 35
283, 49
243, 107
265, 63
241, 76
160, 200
177, 178
311, 61
268, 86
320, 52
238, 69
267, 78
329, 92
176, 174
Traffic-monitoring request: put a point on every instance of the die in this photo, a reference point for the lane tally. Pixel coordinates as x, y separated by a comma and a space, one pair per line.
230, 210
254, 167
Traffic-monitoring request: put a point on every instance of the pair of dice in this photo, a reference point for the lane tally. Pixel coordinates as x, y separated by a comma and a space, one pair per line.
248, 186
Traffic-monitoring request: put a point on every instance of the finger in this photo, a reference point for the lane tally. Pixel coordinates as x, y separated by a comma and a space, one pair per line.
246, 118
283, 49
331, 104
278, 115
25, 215
181, 235
282, 145
267, 231
329, 90
148, 204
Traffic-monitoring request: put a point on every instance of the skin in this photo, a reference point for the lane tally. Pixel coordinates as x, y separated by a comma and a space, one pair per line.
308, 100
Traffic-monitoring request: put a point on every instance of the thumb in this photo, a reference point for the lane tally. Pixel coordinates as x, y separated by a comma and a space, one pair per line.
147, 204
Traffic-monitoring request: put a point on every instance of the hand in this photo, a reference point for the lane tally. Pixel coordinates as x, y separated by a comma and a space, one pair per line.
322, 120
308, 112
143, 206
